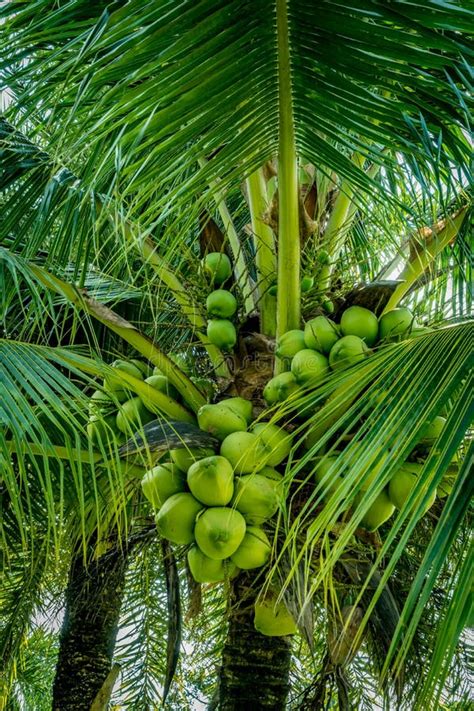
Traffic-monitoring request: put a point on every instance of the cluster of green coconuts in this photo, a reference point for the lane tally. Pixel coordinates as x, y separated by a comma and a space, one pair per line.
221, 304
217, 502
324, 346
114, 412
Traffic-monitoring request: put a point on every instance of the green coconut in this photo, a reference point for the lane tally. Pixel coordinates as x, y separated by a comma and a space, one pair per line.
161, 482
276, 442
102, 430
275, 478
220, 420
176, 519
112, 383
145, 368
133, 415
446, 484
320, 334
217, 267
219, 532
396, 323
307, 283
273, 620
185, 457
328, 306
290, 343
241, 406
347, 351
211, 480
163, 385
379, 512
329, 474
101, 403
255, 497
308, 366
206, 570
280, 388
244, 451
222, 333
358, 321
419, 331
221, 304
254, 551
402, 484
330, 412
432, 430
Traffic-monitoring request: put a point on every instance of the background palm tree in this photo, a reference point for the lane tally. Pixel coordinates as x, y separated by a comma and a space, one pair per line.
136, 137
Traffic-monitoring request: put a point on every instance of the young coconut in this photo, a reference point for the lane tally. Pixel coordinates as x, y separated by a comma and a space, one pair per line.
328, 306
254, 551
255, 497
222, 333
220, 420
113, 383
347, 351
206, 570
274, 478
329, 474
185, 457
161, 482
307, 283
276, 442
273, 620
320, 334
103, 430
219, 532
244, 451
101, 403
133, 415
290, 343
241, 406
446, 485
330, 413
177, 518
211, 480
402, 484
217, 267
221, 304
419, 331
145, 368
358, 321
308, 366
396, 323
163, 385
380, 511
432, 430
280, 388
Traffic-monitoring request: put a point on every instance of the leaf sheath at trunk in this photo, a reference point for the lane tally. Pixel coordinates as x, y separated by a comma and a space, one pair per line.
93, 599
255, 669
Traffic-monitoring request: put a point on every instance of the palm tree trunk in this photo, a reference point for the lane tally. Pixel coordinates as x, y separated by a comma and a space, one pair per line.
93, 599
254, 672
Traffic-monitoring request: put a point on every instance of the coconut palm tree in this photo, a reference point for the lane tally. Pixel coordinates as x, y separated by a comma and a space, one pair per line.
326, 141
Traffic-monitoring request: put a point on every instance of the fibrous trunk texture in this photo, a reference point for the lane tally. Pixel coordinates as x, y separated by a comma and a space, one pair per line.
93, 599
255, 669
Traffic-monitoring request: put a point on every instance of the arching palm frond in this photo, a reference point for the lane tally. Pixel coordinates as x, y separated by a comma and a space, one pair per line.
156, 89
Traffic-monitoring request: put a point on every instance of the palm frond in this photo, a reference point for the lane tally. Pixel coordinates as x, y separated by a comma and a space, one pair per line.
169, 95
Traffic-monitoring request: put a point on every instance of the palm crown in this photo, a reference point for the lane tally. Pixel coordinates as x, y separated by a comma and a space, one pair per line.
326, 140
